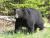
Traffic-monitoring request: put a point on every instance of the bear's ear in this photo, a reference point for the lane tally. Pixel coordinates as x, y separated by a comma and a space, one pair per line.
24, 11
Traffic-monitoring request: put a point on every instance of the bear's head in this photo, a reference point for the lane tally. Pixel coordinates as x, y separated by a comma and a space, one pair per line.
18, 13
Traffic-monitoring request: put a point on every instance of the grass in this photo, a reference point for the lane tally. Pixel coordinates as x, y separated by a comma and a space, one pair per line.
40, 34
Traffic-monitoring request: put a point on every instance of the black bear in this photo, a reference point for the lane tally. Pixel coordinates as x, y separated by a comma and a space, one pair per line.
28, 17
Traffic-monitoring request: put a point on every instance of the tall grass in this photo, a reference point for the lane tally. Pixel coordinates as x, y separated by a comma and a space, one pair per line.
40, 34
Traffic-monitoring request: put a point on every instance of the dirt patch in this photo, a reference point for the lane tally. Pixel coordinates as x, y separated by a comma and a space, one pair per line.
6, 25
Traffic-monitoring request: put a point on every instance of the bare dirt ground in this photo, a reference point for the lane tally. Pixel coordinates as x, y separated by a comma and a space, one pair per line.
6, 25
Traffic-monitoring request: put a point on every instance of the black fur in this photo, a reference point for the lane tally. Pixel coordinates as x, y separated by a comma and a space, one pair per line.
30, 18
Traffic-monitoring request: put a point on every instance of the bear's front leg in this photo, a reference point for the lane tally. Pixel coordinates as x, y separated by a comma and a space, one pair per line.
30, 26
17, 25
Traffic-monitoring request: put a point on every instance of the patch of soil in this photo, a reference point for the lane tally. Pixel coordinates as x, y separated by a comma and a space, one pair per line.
6, 25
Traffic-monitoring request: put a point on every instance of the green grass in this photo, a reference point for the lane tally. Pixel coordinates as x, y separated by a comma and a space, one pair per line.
40, 34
